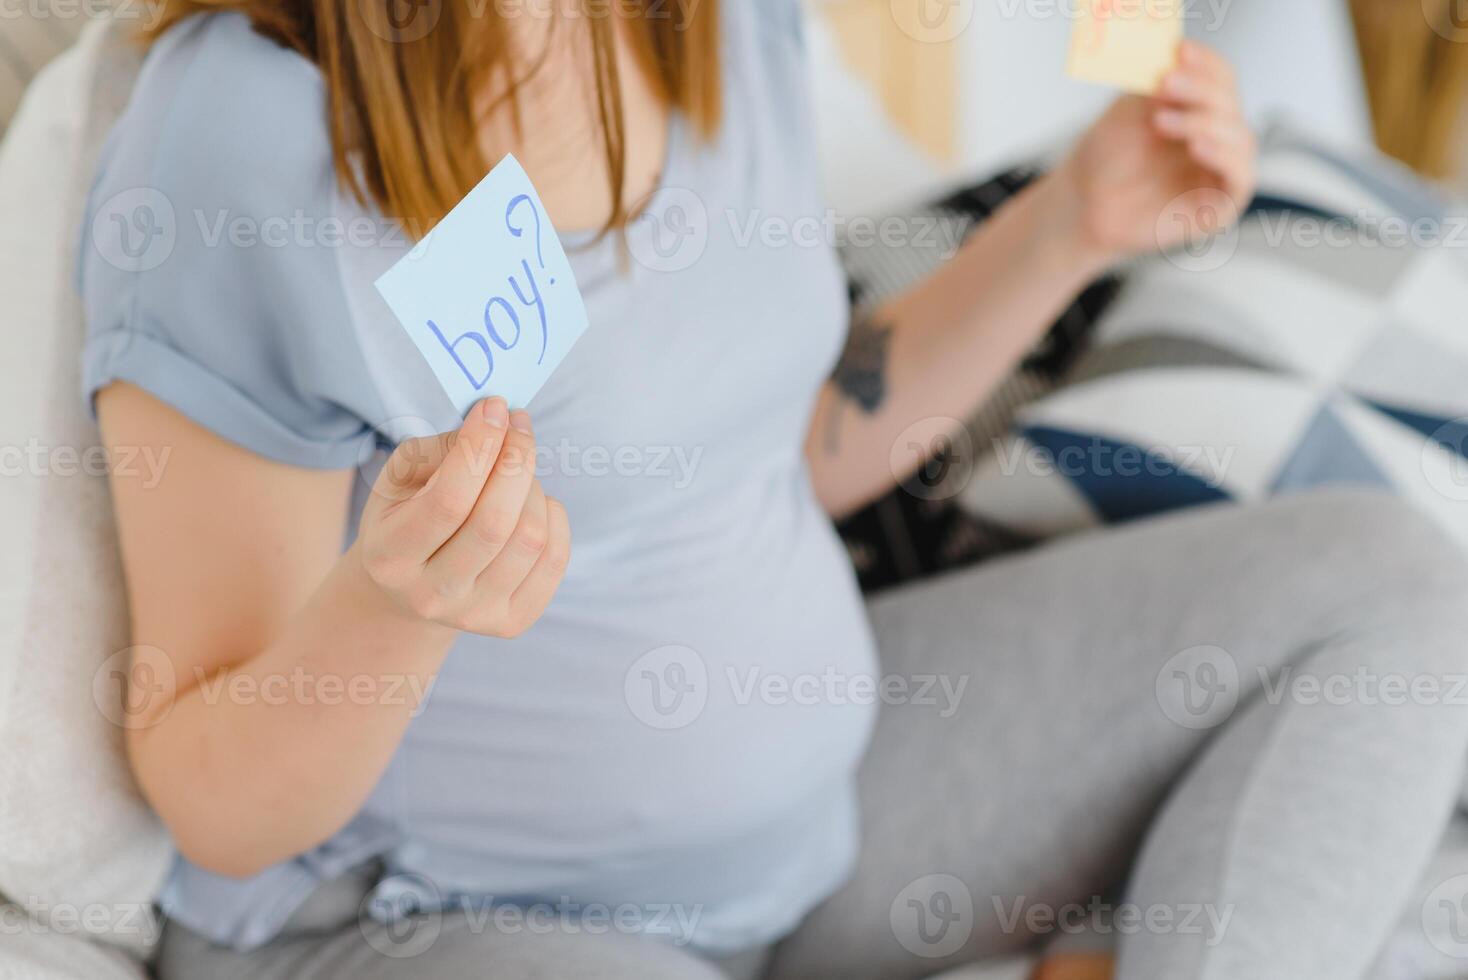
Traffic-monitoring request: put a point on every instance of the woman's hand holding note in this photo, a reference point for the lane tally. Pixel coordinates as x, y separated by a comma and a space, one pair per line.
1161, 171
459, 532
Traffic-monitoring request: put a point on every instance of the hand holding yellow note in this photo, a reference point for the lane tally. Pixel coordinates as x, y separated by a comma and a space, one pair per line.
1130, 44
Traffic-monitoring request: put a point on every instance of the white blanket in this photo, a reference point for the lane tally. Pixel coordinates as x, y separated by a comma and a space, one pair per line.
78, 847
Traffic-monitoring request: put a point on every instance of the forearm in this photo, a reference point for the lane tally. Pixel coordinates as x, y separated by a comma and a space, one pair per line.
937, 351
251, 765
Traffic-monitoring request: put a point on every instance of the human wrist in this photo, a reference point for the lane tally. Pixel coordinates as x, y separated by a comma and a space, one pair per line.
1063, 237
355, 589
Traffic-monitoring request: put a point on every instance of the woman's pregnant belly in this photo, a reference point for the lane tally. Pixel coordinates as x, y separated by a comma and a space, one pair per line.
675, 709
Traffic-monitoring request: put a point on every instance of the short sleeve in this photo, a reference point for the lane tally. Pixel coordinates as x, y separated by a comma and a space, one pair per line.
206, 265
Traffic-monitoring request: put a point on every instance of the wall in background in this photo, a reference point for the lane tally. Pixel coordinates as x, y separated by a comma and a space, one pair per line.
981, 83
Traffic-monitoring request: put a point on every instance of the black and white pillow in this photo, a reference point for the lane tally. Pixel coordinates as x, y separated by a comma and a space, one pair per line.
918, 530
1323, 342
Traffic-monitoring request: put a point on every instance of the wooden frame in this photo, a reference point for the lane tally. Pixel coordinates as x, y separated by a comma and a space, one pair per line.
1415, 55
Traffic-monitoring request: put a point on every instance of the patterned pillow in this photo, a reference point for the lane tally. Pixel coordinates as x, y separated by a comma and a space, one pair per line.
33, 33
1322, 342
918, 530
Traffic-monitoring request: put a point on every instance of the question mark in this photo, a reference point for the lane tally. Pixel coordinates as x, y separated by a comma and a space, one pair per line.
519, 232
539, 301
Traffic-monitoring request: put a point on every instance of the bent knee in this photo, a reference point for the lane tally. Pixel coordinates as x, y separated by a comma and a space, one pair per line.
1345, 533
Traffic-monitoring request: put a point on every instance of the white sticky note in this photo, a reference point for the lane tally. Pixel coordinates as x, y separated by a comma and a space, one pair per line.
488, 295
1130, 44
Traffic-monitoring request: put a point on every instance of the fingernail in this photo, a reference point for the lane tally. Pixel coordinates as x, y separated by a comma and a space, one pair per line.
521, 421
1178, 84
495, 413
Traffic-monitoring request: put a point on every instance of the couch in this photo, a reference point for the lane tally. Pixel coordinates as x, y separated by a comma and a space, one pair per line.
81, 856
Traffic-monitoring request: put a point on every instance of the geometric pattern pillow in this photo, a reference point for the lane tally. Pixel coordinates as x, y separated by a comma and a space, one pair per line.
917, 530
1323, 341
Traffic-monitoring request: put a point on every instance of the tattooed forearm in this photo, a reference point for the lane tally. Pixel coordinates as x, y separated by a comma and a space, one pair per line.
860, 375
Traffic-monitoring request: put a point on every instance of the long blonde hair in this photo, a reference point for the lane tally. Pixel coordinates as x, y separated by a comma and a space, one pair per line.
402, 93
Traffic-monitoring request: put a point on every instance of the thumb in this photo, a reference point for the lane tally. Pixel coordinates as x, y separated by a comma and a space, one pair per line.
412, 464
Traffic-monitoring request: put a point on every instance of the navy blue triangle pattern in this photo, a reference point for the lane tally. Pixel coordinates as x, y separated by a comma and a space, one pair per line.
1269, 204
1451, 434
1121, 481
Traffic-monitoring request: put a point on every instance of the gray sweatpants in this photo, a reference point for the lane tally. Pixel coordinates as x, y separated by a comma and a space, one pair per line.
1235, 731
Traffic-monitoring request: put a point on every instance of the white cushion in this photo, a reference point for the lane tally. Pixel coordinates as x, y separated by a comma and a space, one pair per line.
74, 833
36, 954
34, 33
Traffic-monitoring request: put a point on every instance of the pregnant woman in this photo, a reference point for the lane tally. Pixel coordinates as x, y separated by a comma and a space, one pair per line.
411, 733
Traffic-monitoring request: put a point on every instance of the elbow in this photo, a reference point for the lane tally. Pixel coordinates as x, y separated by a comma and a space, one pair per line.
235, 844
203, 835
228, 839
218, 857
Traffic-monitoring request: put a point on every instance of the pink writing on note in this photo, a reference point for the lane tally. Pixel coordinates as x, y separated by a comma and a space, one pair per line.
1101, 11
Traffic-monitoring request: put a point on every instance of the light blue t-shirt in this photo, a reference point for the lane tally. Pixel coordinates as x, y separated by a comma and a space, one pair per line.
677, 737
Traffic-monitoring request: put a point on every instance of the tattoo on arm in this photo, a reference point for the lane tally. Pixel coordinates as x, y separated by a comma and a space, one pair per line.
861, 373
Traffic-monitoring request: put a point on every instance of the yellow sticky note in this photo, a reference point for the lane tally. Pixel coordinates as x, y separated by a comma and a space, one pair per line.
1130, 44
